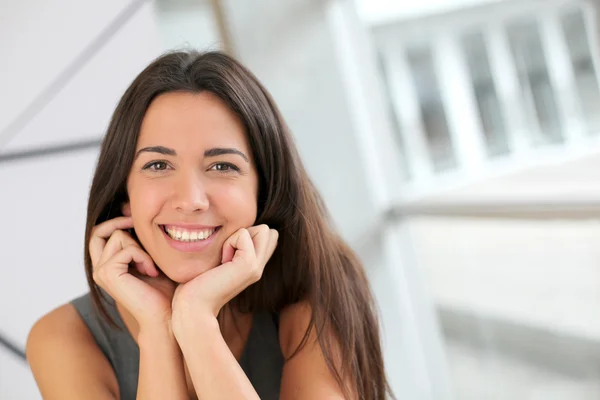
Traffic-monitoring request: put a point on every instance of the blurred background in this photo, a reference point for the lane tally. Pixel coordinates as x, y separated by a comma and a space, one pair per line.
456, 142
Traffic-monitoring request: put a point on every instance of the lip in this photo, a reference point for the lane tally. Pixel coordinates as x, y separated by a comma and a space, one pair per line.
189, 226
190, 247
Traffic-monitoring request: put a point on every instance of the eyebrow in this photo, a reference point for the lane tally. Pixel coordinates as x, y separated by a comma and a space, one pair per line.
219, 151
214, 152
156, 149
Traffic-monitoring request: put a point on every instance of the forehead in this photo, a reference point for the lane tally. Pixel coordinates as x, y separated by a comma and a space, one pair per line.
191, 121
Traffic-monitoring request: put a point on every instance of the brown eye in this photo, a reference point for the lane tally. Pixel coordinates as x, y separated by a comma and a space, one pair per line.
224, 167
156, 166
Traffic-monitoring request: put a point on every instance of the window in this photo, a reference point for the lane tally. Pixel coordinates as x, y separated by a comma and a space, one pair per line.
435, 122
395, 124
576, 36
538, 96
488, 104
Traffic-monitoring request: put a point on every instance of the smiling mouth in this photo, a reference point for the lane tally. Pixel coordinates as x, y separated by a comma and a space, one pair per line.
188, 235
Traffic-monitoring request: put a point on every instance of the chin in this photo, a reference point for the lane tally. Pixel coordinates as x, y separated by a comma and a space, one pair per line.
185, 273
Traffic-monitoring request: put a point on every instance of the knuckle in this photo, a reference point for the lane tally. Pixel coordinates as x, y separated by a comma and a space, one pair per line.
131, 247
256, 273
97, 275
112, 238
238, 233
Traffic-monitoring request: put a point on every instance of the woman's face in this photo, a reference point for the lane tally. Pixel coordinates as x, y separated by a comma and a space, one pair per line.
193, 182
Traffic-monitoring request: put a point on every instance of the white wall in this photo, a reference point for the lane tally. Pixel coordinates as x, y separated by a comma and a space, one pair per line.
382, 11
43, 201
46, 36
187, 23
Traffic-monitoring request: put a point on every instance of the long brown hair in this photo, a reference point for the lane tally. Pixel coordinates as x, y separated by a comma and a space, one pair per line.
311, 263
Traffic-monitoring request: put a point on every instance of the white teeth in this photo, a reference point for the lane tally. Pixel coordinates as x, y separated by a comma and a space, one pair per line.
189, 236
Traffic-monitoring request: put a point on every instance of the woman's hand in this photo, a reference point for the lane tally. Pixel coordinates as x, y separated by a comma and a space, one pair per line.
144, 292
245, 254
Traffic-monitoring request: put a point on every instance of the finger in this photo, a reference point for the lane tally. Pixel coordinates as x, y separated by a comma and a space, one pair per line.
260, 238
118, 264
272, 245
233, 244
120, 240
244, 247
106, 228
102, 232
114, 277
117, 241
149, 269
228, 251
134, 254
140, 268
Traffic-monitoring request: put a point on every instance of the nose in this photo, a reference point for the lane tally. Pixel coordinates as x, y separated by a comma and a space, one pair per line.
190, 194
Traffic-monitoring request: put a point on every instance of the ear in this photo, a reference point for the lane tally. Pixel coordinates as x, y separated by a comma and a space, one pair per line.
126, 209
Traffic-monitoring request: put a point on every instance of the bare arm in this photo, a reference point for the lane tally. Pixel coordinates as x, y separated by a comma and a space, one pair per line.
215, 372
217, 375
306, 375
65, 360
145, 295
162, 375
67, 363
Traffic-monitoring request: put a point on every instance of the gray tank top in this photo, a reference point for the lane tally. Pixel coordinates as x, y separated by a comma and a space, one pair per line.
261, 359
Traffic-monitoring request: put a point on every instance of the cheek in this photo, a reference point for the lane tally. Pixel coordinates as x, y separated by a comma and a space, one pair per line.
237, 204
145, 200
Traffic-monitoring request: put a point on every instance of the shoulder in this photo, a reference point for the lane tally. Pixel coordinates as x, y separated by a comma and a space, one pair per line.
294, 320
61, 325
307, 373
63, 355
58, 325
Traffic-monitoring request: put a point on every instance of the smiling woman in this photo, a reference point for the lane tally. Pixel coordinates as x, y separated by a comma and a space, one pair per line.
212, 267
191, 177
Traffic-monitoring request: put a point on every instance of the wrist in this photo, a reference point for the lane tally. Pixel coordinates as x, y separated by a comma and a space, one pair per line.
188, 326
151, 334
157, 322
